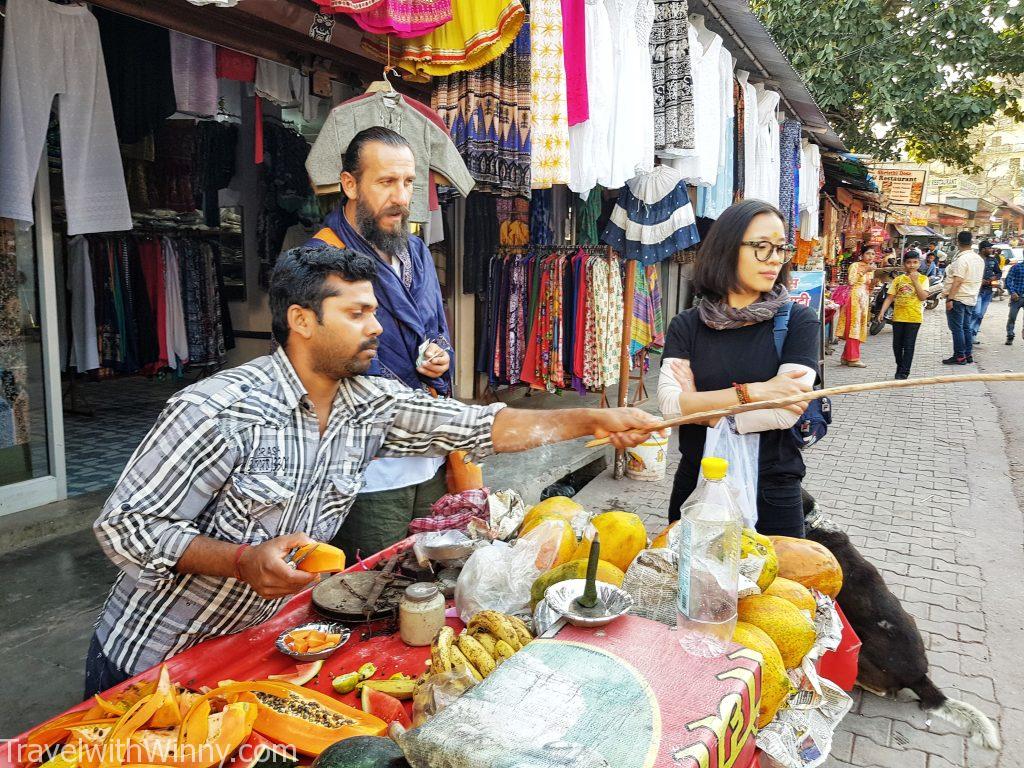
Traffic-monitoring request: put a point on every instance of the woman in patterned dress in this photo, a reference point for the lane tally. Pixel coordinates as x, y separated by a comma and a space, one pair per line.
854, 317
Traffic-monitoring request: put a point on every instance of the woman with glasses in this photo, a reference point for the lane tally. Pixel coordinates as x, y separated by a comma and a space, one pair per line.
723, 352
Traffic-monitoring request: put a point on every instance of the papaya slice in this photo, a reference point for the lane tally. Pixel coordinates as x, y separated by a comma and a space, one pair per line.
169, 715
321, 558
223, 734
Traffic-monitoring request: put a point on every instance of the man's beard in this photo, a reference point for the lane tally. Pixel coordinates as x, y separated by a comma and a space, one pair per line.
390, 243
336, 366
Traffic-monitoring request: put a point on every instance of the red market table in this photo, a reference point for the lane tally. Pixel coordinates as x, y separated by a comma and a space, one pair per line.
250, 655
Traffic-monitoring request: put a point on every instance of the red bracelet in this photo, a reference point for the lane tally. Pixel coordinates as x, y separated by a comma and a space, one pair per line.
238, 560
741, 393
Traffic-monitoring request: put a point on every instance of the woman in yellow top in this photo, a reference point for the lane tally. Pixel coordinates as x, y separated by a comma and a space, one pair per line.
853, 318
908, 291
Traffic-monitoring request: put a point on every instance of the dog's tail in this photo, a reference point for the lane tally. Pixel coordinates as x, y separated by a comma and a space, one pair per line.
960, 713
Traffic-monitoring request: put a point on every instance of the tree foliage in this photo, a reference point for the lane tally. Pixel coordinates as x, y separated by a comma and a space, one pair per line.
922, 73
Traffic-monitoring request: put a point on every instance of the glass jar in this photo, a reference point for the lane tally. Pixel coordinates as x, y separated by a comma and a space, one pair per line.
420, 614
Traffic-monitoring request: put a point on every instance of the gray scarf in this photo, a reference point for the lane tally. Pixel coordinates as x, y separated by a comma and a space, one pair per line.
720, 316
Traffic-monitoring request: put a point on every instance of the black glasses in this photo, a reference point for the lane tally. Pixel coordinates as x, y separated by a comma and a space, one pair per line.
764, 250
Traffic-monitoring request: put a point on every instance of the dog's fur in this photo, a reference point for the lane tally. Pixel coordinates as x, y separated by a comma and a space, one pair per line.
892, 654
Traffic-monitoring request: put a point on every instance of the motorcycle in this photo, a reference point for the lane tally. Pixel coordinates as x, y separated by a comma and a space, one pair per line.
876, 326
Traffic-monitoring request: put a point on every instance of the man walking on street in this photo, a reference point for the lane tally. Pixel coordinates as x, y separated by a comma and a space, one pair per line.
1015, 287
908, 291
989, 280
961, 287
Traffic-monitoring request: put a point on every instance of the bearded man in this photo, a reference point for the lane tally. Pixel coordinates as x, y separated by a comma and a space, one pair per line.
378, 176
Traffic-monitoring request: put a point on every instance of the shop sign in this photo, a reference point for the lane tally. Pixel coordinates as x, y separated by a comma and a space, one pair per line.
900, 186
807, 288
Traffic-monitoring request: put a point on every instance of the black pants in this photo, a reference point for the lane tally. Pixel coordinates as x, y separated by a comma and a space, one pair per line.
100, 672
904, 340
780, 509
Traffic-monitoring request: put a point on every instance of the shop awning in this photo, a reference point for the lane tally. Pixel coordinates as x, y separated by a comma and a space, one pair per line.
910, 230
755, 50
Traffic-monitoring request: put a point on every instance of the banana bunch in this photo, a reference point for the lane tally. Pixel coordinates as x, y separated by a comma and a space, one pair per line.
489, 639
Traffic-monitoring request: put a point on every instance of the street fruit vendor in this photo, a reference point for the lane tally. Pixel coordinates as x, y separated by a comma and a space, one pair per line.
245, 466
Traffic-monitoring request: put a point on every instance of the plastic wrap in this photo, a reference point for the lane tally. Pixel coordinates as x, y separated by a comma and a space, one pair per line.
438, 691
741, 451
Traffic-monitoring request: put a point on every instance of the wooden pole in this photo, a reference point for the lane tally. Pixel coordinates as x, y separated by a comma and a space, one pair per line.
806, 397
628, 289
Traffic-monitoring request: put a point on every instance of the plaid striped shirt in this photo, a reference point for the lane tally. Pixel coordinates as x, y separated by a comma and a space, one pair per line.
1015, 279
239, 457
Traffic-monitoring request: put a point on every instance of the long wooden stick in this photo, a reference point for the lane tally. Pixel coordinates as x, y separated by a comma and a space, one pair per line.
806, 397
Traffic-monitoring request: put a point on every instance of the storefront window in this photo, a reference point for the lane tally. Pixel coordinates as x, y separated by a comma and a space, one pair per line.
24, 452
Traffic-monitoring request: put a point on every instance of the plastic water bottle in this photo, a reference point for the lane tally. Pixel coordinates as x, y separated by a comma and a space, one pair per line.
709, 542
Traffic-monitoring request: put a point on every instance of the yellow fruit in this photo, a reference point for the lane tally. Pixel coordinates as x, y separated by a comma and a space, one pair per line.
787, 626
809, 563
754, 544
566, 542
557, 506
794, 592
574, 569
486, 639
661, 540
622, 537
775, 684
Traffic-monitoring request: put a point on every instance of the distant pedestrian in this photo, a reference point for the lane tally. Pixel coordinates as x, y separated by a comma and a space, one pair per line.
1015, 287
989, 281
908, 291
929, 266
961, 287
853, 318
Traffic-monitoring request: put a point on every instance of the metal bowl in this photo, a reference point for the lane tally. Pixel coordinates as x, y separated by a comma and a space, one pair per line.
560, 597
324, 626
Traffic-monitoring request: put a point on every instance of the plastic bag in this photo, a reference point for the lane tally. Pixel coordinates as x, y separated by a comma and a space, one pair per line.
438, 691
741, 451
498, 577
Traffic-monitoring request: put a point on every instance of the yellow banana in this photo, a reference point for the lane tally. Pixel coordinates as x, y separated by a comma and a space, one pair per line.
498, 625
440, 650
486, 639
476, 653
522, 631
502, 651
458, 659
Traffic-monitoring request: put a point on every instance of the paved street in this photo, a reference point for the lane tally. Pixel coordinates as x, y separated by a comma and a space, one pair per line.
921, 481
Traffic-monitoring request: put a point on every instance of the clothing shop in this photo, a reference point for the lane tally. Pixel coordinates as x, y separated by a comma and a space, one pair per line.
571, 157
151, 174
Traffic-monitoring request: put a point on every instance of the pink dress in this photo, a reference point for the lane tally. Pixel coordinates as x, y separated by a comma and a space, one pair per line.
404, 18
574, 52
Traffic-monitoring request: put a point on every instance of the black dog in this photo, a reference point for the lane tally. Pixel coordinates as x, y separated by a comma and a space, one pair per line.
892, 654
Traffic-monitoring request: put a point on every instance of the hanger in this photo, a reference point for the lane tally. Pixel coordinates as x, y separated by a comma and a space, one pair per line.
385, 86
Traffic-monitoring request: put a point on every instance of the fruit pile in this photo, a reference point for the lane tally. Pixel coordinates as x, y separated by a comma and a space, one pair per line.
487, 641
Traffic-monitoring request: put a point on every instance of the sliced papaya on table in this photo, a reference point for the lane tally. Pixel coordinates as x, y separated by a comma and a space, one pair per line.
225, 731
169, 714
321, 558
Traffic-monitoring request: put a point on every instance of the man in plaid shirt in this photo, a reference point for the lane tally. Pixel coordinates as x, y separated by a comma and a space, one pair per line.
1015, 287
247, 464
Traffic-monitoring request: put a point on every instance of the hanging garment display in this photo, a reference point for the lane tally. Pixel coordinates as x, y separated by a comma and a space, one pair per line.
84, 355
403, 18
766, 167
487, 112
647, 331
751, 126
478, 33
278, 83
631, 136
707, 59
138, 61
514, 220
739, 133
232, 65
673, 80
712, 201
431, 147
480, 240
603, 330
653, 218
194, 69
587, 214
549, 133
811, 181
589, 141
789, 170
54, 50
574, 58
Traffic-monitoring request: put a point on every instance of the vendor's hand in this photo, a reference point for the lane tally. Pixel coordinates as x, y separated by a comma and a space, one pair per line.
435, 362
784, 385
624, 427
263, 567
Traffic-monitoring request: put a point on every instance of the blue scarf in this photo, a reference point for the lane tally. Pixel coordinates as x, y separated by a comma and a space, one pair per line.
411, 310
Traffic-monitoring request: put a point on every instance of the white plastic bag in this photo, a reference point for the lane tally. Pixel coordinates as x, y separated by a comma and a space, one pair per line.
741, 451
498, 577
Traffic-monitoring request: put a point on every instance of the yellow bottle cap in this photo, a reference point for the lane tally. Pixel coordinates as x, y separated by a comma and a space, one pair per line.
714, 468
